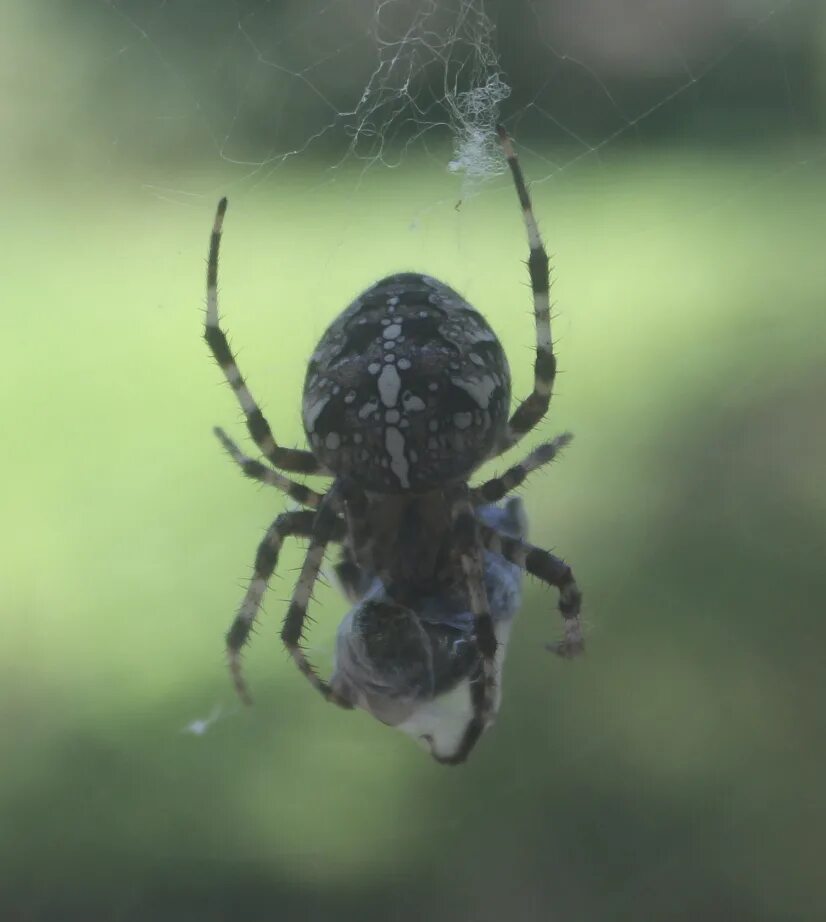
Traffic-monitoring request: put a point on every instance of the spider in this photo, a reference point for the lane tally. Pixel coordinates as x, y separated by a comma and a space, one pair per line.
406, 394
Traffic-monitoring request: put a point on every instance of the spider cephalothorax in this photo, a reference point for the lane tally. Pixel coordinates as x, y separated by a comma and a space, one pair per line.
406, 395
409, 388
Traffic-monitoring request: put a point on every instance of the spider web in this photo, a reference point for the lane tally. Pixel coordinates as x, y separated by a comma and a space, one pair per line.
251, 86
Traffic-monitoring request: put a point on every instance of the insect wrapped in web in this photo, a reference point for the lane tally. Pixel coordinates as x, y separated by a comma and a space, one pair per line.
412, 665
406, 395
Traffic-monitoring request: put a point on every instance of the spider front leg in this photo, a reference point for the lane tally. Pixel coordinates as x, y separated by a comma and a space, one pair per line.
551, 570
531, 410
288, 459
326, 526
482, 687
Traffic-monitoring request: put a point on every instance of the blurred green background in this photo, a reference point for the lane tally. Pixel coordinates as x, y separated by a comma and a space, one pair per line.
676, 772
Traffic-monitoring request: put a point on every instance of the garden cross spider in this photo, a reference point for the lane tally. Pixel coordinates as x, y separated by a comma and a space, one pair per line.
406, 395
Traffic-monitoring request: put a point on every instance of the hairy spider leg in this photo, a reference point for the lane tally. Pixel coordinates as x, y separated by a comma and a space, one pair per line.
353, 579
350, 576
288, 459
531, 410
491, 491
483, 685
326, 527
255, 470
551, 570
298, 524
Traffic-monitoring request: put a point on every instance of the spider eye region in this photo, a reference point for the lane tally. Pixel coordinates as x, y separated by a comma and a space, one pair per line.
408, 389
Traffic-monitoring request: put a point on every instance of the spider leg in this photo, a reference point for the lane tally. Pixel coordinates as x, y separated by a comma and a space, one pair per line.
352, 579
531, 410
551, 570
288, 459
482, 687
326, 525
491, 491
352, 576
266, 557
255, 470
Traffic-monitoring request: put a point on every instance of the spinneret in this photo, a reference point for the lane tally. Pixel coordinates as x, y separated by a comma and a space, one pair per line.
406, 395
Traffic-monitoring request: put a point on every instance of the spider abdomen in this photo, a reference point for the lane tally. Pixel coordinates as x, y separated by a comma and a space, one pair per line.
408, 389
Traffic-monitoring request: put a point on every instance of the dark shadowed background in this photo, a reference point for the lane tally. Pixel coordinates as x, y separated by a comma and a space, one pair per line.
679, 175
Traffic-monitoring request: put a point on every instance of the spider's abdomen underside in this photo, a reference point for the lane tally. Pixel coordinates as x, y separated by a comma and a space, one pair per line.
408, 389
